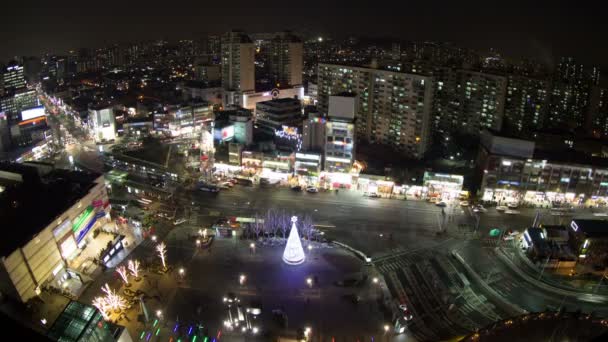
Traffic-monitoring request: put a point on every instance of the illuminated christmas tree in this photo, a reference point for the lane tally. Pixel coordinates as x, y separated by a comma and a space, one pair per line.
294, 253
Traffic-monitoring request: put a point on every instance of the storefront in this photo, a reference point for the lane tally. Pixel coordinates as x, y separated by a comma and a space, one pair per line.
445, 186
502, 196
336, 180
375, 185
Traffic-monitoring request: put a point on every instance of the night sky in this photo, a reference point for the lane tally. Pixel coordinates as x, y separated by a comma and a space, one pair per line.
538, 29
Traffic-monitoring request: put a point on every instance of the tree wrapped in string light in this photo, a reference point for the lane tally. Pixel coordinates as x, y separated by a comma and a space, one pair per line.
102, 305
113, 299
161, 248
134, 268
122, 270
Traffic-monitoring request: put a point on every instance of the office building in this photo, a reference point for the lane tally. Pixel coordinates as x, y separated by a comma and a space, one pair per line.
286, 59
517, 170
525, 105
238, 55
13, 77
313, 132
52, 214
234, 125
274, 114
394, 108
340, 133
103, 123
16, 101
191, 120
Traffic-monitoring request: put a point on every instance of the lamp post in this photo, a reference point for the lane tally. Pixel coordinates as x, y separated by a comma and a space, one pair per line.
252, 248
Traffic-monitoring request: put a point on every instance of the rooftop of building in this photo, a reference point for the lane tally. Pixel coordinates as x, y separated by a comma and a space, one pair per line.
280, 102
592, 228
39, 198
544, 326
81, 322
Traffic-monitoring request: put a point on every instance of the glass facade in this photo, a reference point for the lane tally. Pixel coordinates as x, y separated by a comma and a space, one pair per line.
80, 322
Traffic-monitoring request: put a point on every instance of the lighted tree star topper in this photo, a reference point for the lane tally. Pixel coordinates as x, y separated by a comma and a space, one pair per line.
161, 248
294, 253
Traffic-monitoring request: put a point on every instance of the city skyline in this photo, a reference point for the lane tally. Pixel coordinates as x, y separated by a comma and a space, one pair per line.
539, 32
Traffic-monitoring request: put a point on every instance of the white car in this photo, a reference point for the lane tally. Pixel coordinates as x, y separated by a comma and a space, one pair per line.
501, 208
512, 205
511, 212
434, 199
464, 203
312, 189
479, 209
179, 221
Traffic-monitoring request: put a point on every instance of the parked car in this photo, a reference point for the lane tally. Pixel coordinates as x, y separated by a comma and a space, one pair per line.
296, 188
512, 205
312, 189
464, 203
511, 212
434, 199
371, 194
501, 208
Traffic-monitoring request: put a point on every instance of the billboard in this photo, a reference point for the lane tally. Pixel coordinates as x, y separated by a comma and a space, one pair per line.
225, 133
32, 113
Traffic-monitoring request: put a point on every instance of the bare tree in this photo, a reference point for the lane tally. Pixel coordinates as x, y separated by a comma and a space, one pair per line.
307, 226
270, 225
284, 222
258, 227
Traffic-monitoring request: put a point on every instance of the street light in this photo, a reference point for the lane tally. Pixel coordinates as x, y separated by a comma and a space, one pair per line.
153, 238
159, 313
181, 272
252, 247
375, 280
309, 281
309, 248
255, 330
242, 279
386, 328
198, 242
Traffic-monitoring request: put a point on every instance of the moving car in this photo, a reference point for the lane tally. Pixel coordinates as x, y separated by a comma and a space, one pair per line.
512, 205
441, 204
501, 208
371, 194
464, 203
511, 212
312, 189
479, 209
179, 221
434, 199
208, 188
296, 188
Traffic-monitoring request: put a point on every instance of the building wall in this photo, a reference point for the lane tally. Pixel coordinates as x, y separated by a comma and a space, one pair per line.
103, 123
247, 67
339, 146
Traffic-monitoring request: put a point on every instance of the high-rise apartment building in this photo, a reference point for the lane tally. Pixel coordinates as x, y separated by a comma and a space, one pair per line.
238, 55
570, 92
481, 99
286, 59
597, 116
393, 109
525, 104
